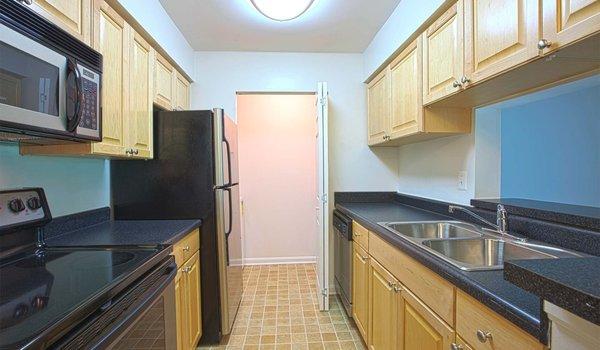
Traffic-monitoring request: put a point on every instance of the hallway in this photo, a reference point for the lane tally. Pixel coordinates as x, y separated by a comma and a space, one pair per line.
279, 310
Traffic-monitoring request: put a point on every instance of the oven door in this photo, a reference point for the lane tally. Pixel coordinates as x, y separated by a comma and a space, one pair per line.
142, 317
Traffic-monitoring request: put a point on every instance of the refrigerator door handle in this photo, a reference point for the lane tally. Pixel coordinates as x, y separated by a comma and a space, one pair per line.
228, 147
230, 227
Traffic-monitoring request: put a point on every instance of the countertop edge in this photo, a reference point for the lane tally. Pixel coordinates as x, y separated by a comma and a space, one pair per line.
515, 315
546, 289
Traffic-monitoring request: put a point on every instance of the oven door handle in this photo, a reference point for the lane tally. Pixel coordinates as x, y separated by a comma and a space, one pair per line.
130, 316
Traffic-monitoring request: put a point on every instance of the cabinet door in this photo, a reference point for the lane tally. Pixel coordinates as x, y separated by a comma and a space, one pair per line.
194, 325
163, 83
112, 41
378, 102
406, 116
360, 289
139, 119
74, 16
443, 52
566, 21
181, 309
421, 328
182, 93
384, 298
499, 35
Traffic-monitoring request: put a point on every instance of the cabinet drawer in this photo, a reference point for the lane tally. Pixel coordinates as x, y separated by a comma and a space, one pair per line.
433, 290
186, 247
360, 235
473, 317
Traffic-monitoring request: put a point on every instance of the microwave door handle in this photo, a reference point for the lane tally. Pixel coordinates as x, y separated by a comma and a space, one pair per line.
73, 123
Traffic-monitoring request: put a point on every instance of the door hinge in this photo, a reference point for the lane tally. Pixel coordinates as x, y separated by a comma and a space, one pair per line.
324, 292
324, 198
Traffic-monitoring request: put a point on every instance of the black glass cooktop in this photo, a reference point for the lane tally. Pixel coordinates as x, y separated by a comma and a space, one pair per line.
37, 292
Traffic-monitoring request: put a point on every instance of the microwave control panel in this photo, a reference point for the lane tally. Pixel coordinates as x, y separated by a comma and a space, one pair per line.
89, 116
89, 125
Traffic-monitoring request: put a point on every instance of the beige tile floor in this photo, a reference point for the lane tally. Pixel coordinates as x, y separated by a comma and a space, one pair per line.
279, 310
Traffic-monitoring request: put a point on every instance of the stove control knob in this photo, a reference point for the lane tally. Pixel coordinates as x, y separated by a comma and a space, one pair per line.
16, 205
34, 203
21, 311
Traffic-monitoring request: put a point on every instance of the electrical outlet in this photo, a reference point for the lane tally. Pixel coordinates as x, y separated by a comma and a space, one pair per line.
462, 180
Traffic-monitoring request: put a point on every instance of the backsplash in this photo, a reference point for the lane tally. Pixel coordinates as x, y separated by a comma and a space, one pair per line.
71, 184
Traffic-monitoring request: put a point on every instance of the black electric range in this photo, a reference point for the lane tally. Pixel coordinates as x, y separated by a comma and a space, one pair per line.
50, 296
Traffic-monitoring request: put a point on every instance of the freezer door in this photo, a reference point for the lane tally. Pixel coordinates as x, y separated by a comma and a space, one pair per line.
226, 150
230, 253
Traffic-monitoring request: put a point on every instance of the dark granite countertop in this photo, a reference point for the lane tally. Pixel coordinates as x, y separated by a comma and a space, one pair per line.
125, 232
489, 287
573, 284
574, 215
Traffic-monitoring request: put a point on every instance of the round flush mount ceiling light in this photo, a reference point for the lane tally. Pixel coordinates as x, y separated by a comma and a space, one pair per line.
279, 10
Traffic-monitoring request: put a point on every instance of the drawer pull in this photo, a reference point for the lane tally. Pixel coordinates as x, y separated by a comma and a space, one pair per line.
483, 336
186, 248
455, 346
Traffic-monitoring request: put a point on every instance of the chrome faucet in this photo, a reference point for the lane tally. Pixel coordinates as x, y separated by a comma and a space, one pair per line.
501, 225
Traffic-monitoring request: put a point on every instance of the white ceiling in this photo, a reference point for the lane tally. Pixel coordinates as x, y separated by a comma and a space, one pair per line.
234, 25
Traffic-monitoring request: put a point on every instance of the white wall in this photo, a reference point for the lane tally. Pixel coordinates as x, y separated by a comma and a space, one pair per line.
408, 16
153, 17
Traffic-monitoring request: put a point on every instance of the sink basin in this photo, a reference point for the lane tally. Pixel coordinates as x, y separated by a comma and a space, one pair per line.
433, 230
481, 253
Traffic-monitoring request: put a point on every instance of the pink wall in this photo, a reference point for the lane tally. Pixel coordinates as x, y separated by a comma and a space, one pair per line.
277, 176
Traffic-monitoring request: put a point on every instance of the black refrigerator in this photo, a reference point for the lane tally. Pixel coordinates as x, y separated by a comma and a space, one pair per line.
193, 175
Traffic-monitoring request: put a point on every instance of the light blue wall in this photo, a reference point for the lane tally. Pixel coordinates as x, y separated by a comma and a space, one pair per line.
551, 149
71, 184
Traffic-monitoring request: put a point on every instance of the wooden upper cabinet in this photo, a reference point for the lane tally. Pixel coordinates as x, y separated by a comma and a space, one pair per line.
360, 289
385, 298
111, 39
499, 35
164, 76
139, 119
566, 21
422, 329
182, 93
406, 115
443, 53
74, 16
378, 104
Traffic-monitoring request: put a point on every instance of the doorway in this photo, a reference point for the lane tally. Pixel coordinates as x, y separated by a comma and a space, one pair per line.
278, 182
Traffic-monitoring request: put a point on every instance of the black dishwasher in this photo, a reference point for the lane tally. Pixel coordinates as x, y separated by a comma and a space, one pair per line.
343, 259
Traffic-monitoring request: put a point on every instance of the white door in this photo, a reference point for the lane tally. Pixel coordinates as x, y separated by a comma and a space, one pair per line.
322, 205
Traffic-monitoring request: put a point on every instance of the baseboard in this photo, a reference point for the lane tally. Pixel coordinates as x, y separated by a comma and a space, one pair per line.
281, 260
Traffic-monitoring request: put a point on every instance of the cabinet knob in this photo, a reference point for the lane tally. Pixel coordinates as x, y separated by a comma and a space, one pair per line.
455, 346
464, 80
26, 2
128, 151
483, 336
365, 257
456, 84
397, 288
136, 151
186, 248
544, 44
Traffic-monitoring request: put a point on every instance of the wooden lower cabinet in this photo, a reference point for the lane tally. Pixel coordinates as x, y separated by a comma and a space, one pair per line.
384, 315
360, 289
187, 295
409, 307
422, 329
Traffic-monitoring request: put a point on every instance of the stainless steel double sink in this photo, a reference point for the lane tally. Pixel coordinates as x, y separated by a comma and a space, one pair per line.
469, 247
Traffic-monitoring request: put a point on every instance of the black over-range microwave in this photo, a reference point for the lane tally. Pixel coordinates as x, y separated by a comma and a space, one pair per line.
49, 81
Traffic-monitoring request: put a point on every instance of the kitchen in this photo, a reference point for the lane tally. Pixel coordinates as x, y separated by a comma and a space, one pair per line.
455, 207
